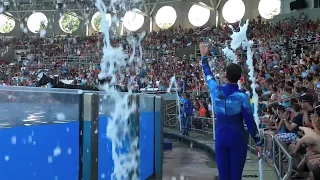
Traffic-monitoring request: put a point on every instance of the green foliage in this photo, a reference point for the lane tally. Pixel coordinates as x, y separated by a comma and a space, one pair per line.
166, 25
97, 22
42, 25
8, 26
272, 13
69, 22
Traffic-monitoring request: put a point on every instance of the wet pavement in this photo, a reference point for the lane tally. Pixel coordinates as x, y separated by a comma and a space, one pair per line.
186, 163
183, 162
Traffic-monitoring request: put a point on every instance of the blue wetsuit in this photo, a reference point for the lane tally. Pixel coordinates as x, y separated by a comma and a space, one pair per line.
231, 106
186, 114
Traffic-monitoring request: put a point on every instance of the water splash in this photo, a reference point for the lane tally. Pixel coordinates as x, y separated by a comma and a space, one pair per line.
125, 164
231, 55
238, 39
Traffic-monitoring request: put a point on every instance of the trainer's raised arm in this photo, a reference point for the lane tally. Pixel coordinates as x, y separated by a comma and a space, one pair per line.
209, 77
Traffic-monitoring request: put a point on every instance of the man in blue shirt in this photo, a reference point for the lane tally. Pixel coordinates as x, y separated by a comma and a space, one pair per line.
186, 113
231, 106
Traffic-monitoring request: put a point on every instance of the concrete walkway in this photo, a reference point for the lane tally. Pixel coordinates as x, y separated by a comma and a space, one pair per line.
205, 143
187, 164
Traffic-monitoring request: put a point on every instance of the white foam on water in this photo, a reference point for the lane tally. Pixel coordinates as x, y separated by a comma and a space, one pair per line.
60, 116
118, 129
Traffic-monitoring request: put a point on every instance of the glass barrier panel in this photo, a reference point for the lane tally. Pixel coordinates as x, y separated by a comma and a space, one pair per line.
39, 131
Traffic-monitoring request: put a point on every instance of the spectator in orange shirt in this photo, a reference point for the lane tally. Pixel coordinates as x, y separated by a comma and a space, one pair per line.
202, 110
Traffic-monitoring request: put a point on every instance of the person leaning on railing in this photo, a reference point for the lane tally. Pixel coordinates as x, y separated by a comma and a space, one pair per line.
292, 125
311, 138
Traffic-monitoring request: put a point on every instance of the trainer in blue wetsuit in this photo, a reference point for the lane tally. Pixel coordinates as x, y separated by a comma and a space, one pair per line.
231, 106
186, 113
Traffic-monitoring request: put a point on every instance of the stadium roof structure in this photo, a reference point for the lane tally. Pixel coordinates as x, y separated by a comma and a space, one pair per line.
19, 9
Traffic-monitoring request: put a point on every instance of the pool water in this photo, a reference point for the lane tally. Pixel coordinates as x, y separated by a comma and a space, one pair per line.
51, 151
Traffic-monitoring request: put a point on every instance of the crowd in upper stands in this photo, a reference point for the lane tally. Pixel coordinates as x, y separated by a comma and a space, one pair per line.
286, 59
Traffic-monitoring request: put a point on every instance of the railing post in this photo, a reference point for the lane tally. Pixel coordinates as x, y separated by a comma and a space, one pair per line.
280, 158
88, 138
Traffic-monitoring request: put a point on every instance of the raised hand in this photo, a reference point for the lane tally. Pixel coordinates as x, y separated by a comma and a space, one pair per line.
203, 49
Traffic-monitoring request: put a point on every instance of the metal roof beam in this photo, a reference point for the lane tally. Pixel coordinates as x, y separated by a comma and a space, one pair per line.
218, 4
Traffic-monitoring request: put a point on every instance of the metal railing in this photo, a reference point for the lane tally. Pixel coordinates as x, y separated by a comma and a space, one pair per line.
88, 59
171, 116
278, 167
282, 169
203, 126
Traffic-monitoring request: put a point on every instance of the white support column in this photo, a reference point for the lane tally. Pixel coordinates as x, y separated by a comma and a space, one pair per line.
217, 18
121, 26
151, 24
87, 29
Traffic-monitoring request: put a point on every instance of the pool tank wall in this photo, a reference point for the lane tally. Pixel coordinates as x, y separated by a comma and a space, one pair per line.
61, 134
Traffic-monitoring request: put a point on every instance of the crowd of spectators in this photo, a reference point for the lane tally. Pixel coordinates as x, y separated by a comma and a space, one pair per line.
286, 59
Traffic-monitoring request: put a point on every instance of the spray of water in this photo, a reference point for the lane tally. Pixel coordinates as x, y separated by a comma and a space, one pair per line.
229, 53
240, 39
118, 130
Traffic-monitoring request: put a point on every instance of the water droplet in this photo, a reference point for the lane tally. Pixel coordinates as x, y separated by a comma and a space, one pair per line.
69, 151
29, 139
56, 151
103, 176
50, 159
13, 140
6, 158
